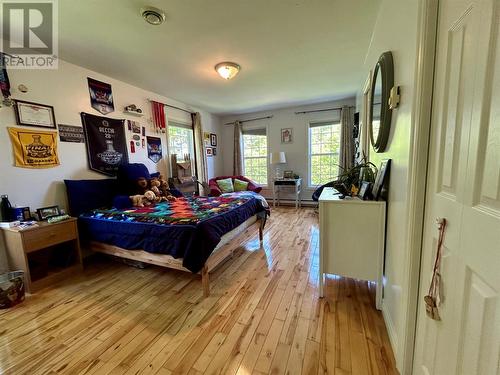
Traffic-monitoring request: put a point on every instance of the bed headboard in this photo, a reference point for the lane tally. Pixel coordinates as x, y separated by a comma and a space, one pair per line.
85, 195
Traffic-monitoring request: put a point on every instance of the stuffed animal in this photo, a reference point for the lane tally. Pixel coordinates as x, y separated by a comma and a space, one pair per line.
137, 200
151, 197
165, 189
141, 185
154, 186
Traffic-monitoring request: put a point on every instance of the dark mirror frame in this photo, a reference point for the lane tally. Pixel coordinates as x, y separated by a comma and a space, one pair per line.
385, 66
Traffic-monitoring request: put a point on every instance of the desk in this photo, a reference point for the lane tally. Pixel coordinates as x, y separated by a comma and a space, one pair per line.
295, 183
351, 239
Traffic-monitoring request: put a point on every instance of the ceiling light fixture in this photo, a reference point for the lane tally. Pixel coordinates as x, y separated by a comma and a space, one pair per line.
153, 16
227, 70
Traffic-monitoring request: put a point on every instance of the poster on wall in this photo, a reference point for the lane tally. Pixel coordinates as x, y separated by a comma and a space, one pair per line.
106, 143
101, 97
70, 133
4, 79
34, 148
154, 148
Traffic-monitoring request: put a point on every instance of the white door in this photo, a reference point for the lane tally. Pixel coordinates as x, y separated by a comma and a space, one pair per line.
464, 187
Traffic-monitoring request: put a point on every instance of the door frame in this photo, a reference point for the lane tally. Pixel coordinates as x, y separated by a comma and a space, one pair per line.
417, 172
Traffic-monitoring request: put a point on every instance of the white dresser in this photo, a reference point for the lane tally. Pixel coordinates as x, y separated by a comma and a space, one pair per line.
352, 235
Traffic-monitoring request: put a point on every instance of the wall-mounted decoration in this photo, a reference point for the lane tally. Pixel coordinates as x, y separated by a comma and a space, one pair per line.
134, 126
154, 149
34, 114
34, 148
287, 135
22, 88
70, 133
132, 109
206, 138
106, 143
214, 151
209, 151
4, 79
101, 96
213, 140
132, 147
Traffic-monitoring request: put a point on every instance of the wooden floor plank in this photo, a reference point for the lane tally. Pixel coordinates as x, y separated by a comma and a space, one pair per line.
263, 316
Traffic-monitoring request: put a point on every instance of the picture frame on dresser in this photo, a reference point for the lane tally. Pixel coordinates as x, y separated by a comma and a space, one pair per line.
381, 181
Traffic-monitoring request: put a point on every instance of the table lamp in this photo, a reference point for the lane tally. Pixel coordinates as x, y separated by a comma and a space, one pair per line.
278, 158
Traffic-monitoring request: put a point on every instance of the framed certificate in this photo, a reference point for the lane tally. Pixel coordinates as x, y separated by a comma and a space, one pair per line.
34, 114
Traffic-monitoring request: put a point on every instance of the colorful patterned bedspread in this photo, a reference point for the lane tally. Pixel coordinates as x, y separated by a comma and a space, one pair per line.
186, 211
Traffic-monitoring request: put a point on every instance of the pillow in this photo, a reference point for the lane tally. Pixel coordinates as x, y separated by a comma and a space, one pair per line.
240, 185
226, 185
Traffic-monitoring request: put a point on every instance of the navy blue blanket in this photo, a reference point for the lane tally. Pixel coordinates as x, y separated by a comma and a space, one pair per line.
193, 241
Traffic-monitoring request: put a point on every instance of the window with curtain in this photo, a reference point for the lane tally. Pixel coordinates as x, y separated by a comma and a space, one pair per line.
324, 146
255, 155
180, 140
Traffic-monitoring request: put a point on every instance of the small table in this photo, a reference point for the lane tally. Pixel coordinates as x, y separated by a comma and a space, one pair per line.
278, 184
46, 252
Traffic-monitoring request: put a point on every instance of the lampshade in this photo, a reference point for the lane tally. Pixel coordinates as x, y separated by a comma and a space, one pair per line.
277, 157
227, 70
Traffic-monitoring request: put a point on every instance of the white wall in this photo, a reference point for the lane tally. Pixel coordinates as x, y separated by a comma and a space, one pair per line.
297, 152
396, 31
66, 89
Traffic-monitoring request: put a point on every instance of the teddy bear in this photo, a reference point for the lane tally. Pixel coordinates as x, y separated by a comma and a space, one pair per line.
137, 200
141, 185
165, 189
151, 197
154, 186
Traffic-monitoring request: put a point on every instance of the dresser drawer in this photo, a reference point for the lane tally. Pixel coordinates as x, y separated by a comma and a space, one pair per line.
50, 235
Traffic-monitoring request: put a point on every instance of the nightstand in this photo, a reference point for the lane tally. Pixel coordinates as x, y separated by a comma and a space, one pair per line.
46, 253
295, 183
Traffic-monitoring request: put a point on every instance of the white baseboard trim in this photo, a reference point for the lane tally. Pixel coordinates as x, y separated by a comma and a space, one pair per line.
391, 331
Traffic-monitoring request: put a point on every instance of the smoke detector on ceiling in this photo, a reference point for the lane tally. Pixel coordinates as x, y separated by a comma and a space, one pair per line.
153, 15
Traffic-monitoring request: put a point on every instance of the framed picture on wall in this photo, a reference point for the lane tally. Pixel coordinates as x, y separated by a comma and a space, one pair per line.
214, 151
209, 151
206, 138
287, 135
213, 140
35, 114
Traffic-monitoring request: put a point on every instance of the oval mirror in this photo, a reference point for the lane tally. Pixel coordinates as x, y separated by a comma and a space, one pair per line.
380, 113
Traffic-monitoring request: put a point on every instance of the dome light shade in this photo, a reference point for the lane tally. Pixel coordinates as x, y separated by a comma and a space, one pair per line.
153, 16
227, 70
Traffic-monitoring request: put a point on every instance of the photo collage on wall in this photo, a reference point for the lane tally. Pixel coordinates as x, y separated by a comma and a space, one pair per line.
210, 141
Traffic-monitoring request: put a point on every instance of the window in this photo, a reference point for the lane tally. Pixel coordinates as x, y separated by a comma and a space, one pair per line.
180, 140
255, 155
324, 145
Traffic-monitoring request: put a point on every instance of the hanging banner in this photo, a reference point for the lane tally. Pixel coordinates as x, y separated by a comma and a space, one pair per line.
34, 148
4, 78
70, 133
106, 143
154, 148
101, 97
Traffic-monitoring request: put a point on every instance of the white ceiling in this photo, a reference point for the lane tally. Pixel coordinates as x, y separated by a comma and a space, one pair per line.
291, 52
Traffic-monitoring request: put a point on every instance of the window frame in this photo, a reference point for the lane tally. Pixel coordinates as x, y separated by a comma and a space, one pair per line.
335, 121
180, 124
250, 128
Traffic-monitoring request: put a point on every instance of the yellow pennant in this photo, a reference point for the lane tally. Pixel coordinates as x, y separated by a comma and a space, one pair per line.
34, 148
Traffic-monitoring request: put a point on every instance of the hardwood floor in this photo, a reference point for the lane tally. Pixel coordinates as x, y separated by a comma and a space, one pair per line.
263, 316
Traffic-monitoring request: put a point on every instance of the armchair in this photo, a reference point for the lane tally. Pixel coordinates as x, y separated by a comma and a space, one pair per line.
215, 190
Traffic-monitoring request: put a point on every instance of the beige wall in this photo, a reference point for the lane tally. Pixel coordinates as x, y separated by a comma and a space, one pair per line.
396, 31
296, 152
66, 89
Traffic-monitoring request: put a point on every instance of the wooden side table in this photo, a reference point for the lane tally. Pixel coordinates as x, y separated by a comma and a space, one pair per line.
46, 253
295, 183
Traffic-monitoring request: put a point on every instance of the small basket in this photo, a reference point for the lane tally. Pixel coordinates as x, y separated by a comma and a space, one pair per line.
11, 289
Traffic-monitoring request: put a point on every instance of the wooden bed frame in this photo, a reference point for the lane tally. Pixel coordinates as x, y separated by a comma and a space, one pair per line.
220, 253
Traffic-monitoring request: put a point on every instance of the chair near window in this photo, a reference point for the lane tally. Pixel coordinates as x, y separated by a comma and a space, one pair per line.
215, 190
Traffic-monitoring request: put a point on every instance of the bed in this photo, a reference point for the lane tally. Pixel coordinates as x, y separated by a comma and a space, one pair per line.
187, 234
